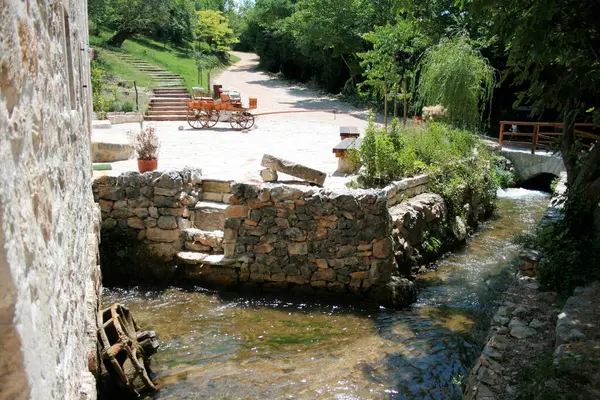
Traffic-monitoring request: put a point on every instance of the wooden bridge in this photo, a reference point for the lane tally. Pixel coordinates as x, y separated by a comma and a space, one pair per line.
543, 135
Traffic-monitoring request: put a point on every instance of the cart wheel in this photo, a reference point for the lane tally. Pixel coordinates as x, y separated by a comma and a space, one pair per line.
194, 118
236, 121
248, 120
213, 118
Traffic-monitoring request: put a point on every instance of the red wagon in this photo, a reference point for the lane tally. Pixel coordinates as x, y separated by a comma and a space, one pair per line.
205, 112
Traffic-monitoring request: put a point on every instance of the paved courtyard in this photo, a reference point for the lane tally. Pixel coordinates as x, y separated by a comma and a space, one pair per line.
306, 138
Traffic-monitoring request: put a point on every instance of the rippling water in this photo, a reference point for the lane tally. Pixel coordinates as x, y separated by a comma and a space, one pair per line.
235, 347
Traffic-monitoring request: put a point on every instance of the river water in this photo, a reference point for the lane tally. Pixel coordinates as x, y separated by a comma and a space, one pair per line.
239, 347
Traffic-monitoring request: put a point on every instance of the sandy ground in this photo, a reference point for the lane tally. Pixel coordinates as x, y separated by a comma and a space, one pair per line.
223, 153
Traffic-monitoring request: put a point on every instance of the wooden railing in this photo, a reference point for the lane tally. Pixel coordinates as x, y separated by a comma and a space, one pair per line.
543, 135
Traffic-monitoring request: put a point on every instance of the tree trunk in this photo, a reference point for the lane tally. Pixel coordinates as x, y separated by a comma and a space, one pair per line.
583, 179
119, 37
405, 113
385, 106
349, 70
395, 101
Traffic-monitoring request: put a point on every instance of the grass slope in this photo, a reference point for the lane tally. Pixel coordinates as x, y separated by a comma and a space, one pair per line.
174, 59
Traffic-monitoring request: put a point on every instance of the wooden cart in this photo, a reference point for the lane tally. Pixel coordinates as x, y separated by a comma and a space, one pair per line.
205, 112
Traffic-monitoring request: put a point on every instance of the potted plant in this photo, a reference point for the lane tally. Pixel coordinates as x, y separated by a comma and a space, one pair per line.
146, 145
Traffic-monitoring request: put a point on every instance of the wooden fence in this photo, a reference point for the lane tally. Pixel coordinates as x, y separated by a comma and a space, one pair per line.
543, 135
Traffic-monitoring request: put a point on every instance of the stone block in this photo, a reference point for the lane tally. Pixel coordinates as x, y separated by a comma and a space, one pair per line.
216, 186
299, 248
324, 275
264, 248
162, 235
236, 211
136, 223
212, 196
167, 222
103, 152
294, 169
196, 246
382, 248
268, 175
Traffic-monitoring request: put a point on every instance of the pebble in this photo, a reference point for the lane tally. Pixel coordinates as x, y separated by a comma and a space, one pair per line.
502, 311
180, 127
500, 320
520, 311
575, 336
536, 324
522, 332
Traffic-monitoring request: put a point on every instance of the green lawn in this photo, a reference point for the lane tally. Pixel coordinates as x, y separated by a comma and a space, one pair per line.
174, 59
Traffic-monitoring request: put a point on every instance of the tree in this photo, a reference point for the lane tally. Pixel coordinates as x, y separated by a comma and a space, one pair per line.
553, 49
389, 64
213, 32
331, 27
456, 76
173, 19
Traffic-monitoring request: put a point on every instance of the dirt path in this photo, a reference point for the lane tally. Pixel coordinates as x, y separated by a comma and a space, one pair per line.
275, 94
223, 153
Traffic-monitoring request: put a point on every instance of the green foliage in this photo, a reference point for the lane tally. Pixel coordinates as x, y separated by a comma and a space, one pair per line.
430, 243
568, 262
456, 76
456, 159
128, 106
213, 30
502, 174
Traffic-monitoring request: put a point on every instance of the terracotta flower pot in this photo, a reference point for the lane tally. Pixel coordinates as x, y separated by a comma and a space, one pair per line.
147, 165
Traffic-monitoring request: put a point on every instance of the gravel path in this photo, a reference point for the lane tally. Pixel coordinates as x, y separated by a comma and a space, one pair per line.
223, 153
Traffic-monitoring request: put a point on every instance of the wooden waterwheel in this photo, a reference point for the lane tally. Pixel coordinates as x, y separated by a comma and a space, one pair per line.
123, 357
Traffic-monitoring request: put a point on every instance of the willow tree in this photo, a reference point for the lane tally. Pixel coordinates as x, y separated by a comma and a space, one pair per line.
455, 75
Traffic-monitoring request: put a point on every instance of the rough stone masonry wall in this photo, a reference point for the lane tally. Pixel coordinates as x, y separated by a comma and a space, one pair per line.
50, 280
305, 239
150, 209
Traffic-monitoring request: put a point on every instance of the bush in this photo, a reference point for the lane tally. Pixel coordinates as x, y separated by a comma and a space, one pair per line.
128, 106
456, 159
115, 106
567, 262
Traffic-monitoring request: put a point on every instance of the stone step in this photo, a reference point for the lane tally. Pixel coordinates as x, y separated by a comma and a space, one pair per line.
180, 104
178, 107
165, 118
196, 257
165, 75
210, 215
176, 96
182, 113
199, 240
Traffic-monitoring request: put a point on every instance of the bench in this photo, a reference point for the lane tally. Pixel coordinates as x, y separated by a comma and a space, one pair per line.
349, 132
342, 147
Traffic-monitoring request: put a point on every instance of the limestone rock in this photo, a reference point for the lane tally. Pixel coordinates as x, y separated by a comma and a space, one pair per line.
167, 222
162, 235
268, 175
294, 169
522, 331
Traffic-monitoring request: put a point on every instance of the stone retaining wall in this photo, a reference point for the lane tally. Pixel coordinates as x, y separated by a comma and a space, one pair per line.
271, 236
294, 237
150, 209
399, 191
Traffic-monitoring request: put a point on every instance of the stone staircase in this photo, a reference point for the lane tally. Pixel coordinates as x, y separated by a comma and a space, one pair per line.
204, 243
168, 104
168, 98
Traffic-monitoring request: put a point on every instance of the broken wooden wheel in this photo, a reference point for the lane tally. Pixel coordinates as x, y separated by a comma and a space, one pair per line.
123, 356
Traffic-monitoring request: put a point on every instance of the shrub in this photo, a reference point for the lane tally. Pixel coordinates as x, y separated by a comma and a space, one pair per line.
127, 106
114, 106
145, 143
456, 159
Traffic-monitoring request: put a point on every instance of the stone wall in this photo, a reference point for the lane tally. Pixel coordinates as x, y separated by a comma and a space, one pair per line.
300, 238
399, 191
50, 279
149, 209
176, 225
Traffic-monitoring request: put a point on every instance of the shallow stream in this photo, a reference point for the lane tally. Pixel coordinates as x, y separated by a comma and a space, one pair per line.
239, 347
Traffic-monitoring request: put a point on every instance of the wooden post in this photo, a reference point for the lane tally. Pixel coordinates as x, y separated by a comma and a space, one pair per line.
385, 105
405, 115
209, 89
137, 104
536, 130
501, 137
